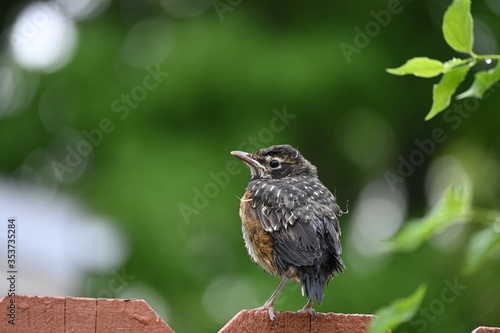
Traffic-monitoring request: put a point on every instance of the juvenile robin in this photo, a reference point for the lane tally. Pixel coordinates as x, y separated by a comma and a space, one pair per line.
289, 222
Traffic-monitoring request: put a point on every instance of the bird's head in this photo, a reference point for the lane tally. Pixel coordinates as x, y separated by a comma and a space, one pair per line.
276, 162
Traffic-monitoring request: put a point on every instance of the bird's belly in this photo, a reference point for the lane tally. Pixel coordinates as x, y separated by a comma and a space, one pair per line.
257, 241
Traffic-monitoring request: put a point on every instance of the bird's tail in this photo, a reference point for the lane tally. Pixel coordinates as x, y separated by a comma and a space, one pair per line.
313, 279
313, 286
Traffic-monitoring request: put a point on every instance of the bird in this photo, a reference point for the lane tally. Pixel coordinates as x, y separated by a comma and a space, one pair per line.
290, 222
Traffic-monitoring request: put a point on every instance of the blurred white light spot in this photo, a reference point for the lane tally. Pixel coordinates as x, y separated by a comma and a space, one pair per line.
42, 38
58, 242
488, 61
147, 43
443, 172
227, 295
17, 89
7, 88
377, 216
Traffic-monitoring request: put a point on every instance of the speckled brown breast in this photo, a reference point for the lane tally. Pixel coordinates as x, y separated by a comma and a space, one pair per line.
257, 240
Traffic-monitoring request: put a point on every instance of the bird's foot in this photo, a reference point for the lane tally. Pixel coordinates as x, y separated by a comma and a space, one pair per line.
311, 311
308, 308
270, 310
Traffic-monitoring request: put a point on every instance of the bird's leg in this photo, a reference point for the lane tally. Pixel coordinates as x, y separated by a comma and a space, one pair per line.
269, 305
308, 308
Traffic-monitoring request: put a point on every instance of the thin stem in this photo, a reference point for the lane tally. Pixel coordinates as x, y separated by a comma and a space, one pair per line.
488, 56
483, 215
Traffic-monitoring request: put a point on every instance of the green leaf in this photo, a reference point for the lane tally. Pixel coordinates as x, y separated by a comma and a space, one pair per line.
419, 66
458, 25
442, 92
454, 207
482, 82
480, 247
456, 62
400, 311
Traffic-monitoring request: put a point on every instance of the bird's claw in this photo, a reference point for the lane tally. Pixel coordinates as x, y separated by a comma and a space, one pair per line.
272, 316
312, 312
270, 310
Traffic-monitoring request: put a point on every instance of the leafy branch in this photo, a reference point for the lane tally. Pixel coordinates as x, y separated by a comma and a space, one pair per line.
458, 33
455, 207
399, 311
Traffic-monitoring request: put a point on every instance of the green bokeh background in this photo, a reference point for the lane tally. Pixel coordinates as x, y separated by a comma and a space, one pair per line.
226, 75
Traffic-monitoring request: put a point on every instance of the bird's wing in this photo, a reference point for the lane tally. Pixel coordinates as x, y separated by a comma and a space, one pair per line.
300, 219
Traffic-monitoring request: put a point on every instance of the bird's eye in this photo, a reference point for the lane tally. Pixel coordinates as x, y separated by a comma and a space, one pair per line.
274, 164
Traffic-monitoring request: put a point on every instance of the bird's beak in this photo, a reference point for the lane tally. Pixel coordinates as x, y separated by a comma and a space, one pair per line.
249, 160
